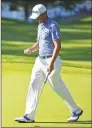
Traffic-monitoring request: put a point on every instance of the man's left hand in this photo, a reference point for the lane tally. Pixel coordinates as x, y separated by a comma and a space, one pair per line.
50, 68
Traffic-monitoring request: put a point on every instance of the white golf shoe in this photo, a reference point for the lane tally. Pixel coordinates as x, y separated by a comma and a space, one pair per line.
75, 115
24, 119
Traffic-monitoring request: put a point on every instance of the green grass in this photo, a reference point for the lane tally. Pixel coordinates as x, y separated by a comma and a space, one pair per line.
17, 67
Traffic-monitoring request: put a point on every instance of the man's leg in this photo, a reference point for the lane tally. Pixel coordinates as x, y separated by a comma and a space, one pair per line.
59, 86
37, 78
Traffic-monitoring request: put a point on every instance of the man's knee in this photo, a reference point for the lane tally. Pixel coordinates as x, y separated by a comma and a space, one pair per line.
54, 76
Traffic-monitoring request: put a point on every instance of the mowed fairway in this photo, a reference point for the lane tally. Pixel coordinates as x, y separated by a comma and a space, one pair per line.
17, 67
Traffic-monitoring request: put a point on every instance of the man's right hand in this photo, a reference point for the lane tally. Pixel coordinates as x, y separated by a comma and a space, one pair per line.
28, 51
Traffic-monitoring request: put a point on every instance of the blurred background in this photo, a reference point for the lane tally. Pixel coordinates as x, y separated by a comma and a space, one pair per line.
57, 9
18, 32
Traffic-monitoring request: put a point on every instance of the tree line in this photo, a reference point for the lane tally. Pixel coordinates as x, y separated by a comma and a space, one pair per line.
68, 4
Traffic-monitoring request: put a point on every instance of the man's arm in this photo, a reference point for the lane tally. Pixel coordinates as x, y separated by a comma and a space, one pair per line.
56, 51
34, 48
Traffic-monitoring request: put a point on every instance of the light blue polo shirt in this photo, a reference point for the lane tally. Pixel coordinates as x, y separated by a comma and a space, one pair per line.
48, 32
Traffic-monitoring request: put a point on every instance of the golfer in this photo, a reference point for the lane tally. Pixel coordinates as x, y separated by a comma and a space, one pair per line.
48, 61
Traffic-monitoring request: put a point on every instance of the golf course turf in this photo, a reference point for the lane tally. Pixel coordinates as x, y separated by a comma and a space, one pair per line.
17, 68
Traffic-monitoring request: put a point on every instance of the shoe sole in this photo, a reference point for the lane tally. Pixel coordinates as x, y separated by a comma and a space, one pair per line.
25, 121
77, 118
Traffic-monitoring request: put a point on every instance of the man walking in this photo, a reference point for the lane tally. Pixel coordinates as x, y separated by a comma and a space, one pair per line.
49, 45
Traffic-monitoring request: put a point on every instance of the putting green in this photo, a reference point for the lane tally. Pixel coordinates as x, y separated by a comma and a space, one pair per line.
17, 67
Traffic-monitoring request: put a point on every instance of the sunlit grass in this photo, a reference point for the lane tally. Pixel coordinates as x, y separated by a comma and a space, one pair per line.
17, 67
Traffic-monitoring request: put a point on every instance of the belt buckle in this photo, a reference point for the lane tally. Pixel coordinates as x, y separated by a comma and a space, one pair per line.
44, 57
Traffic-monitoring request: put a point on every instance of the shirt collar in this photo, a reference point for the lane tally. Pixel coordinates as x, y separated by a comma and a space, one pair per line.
45, 22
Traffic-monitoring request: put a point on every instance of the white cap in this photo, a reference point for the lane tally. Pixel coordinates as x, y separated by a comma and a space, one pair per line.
37, 11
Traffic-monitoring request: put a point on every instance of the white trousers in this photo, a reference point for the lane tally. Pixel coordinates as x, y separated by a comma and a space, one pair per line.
39, 73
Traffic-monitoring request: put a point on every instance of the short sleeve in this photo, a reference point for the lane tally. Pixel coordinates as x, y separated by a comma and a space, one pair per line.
55, 32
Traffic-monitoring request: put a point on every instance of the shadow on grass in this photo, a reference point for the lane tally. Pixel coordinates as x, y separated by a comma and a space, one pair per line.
15, 31
77, 122
85, 22
48, 122
31, 36
75, 53
28, 32
66, 36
